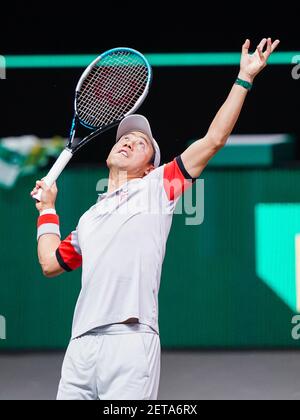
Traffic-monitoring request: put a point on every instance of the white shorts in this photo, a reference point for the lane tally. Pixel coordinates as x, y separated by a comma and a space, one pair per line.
115, 362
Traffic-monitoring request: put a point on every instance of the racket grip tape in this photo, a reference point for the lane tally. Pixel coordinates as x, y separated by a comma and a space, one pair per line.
55, 171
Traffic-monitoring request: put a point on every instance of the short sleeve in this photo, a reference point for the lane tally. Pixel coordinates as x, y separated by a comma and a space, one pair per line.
176, 179
68, 253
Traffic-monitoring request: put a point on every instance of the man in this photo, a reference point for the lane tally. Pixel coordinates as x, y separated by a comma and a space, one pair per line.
114, 352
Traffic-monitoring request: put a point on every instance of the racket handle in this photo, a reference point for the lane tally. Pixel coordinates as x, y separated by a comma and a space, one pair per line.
55, 171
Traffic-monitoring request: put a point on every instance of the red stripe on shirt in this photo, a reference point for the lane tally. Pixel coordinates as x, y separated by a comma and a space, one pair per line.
174, 181
69, 254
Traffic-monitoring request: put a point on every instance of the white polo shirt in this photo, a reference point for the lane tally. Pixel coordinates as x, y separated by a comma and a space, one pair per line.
120, 243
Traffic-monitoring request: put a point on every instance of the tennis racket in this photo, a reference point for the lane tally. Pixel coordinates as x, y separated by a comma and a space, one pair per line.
113, 86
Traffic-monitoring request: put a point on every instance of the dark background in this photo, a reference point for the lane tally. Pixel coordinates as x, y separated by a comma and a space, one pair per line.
182, 101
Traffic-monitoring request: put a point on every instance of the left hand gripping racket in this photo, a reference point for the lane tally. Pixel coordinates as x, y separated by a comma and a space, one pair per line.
113, 86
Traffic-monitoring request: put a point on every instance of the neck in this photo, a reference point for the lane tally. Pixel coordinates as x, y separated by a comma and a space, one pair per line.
118, 178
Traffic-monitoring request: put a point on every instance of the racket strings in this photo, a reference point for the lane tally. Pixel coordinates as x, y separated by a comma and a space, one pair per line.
123, 94
116, 63
107, 108
111, 89
123, 100
119, 93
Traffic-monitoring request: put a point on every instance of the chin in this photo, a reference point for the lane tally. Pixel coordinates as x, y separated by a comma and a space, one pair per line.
117, 164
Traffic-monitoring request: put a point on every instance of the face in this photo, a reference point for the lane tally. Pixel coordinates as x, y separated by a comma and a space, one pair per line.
132, 153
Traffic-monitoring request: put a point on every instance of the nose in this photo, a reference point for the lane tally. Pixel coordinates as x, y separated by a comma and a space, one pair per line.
128, 143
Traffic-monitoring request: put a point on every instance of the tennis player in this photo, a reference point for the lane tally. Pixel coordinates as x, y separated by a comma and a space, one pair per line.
114, 352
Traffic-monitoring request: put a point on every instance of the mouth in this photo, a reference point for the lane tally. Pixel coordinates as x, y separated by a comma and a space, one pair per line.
123, 152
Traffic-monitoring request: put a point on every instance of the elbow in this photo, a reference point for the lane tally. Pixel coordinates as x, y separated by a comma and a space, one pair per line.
47, 272
49, 266
218, 139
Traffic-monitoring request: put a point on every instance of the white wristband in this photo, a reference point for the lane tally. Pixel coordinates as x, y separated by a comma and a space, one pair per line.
47, 211
48, 223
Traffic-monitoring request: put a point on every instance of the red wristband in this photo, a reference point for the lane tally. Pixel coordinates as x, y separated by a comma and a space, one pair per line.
48, 218
48, 224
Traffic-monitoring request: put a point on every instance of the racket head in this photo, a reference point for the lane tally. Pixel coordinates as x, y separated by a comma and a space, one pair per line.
113, 86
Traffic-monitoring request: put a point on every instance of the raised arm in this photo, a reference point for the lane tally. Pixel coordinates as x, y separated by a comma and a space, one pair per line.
196, 157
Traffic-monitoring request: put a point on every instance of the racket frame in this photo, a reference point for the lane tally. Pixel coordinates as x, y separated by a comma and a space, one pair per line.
99, 130
68, 152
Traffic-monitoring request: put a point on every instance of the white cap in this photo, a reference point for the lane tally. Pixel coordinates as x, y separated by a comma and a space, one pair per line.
139, 123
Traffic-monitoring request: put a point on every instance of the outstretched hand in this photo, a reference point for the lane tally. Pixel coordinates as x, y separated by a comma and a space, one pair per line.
252, 64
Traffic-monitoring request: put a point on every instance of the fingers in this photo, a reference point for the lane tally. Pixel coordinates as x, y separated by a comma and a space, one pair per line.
246, 46
35, 189
275, 45
54, 187
262, 44
271, 47
269, 50
39, 184
260, 48
42, 184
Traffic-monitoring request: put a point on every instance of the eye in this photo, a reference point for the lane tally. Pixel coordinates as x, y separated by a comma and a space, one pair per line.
141, 144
